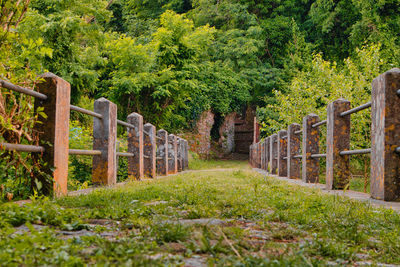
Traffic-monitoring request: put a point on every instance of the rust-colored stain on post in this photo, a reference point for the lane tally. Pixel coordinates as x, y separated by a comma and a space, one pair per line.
337, 139
282, 153
149, 150
54, 132
104, 139
293, 146
310, 168
135, 146
385, 136
274, 153
162, 152
172, 154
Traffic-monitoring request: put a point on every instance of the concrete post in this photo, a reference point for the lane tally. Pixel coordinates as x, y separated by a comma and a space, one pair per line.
259, 155
385, 136
180, 154
274, 153
186, 161
267, 153
135, 146
294, 142
172, 154
162, 152
310, 170
262, 154
282, 153
149, 150
337, 139
54, 132
105, 139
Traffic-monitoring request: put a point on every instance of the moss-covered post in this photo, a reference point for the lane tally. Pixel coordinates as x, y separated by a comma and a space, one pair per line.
54, 132
385, 136
282, 153
135, 146
149, 150
294, 143
337, 139
310, 170
172, 154
162, 152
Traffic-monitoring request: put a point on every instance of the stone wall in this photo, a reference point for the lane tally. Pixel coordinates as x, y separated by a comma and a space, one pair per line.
227, 133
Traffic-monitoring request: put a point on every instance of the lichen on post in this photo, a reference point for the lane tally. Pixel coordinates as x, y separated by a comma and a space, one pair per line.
385, 136
105, 140
294, 142
282, 153
172, 154
310, 145
274, 153
54, 132
337, 139
135, 146
162, 152
149, 150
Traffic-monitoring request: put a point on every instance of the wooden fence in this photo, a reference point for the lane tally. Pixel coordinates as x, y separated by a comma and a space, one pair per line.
288, 154
149, 152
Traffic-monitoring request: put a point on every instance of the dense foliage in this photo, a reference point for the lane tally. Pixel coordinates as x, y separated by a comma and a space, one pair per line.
171, 60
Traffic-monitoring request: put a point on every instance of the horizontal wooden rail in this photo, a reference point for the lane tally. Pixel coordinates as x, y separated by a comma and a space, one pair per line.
84, 152
298, 132
85, 111
21, 148
23, 90
314, 156
125, 124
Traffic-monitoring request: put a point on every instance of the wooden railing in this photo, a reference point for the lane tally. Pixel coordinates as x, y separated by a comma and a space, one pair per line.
149, 152
284, 154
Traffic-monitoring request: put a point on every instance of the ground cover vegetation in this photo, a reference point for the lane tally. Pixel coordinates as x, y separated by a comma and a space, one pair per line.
217, 217
170, 60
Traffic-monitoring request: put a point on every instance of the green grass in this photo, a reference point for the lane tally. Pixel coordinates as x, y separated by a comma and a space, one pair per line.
267, 223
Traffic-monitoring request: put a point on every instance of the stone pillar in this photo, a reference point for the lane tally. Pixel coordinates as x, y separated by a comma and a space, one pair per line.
259, 155
267, 153
172, 154
179, 154
105, 140
337, 139
310, 170
256, 128
135, 146
274, 153
54, 133
282, 153
385, 136
149, 150
293, 164
162, 152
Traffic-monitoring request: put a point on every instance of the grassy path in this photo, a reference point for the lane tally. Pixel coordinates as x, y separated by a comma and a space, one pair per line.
227, 216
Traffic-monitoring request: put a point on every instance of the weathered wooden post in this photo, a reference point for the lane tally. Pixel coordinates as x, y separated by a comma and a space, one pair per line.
282, 153
149, 150
54, 132
179, 154
310, 169
135, 146
385, 136
293, 161
274, 153
104, 139
172, 154
337, 139
267, 153
162, 152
